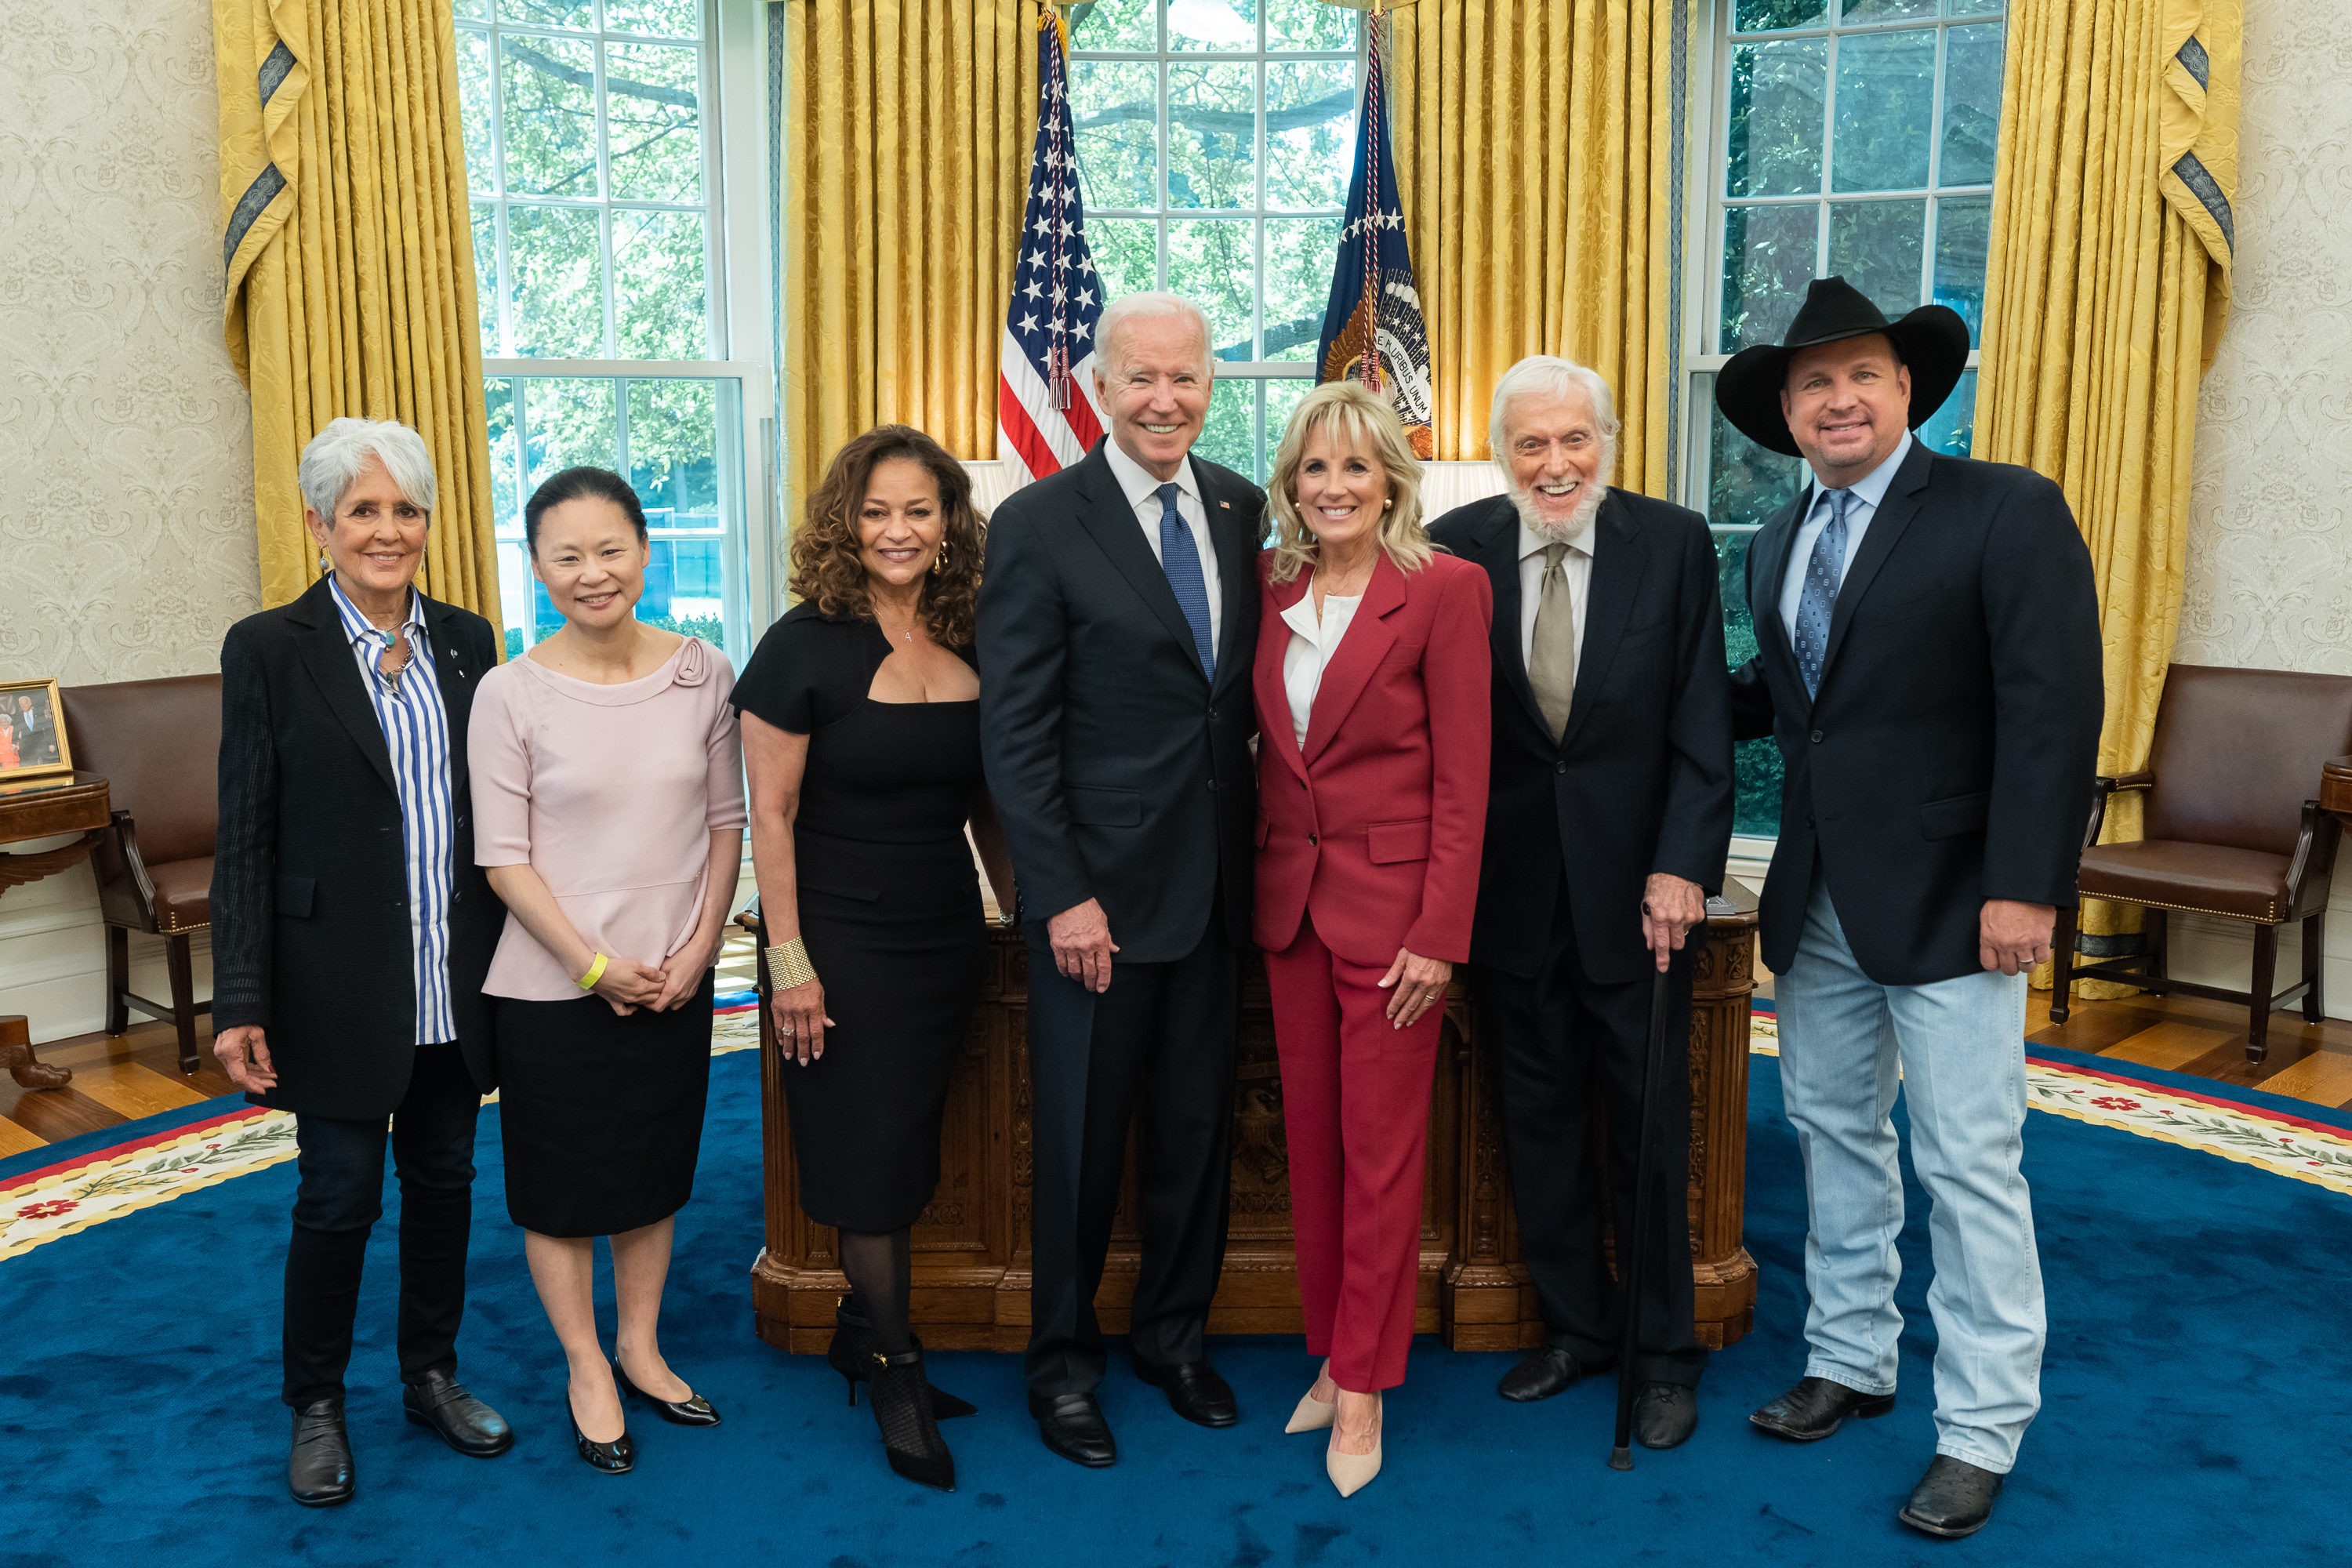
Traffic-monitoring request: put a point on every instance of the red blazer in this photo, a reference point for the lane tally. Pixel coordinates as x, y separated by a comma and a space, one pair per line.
1377, 822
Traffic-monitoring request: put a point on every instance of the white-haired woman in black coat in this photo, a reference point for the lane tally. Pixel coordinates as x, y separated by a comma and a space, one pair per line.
351, 931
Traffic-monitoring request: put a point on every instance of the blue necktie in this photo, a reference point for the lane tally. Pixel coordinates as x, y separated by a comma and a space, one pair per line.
1181, 559
1824, 574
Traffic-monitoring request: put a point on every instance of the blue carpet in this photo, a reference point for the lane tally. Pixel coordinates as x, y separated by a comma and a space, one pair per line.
2194, 1395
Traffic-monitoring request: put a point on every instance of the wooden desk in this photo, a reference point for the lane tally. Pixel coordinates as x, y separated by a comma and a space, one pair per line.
2336, 789
972, 1257
44, 808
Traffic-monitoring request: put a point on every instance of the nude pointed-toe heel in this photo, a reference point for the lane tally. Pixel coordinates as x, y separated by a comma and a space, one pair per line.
1312, 1415
1352, 1473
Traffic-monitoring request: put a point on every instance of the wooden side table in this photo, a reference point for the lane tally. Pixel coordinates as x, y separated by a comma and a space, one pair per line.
44, 808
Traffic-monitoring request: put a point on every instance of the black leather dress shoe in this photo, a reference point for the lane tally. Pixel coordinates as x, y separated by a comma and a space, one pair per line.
440, 1401
1817, 1408
1194, 1390
1664, 1415
1952, 1499
319, 1473
1072, 1426
1543, 1371
692, 1411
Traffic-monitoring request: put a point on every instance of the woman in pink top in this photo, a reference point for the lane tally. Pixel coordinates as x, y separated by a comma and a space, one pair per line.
608, 808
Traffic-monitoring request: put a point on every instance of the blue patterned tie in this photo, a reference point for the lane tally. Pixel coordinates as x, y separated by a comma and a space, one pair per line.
1181, 559
1824, 574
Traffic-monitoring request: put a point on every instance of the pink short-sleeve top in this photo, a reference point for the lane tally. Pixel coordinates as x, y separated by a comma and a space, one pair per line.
610, 793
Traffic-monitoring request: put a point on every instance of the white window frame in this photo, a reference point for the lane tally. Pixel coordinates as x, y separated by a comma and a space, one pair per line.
1256, 215
738, 295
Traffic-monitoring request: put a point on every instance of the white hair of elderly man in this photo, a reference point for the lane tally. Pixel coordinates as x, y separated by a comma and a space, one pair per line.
337, 454
1550, 376
1149, 305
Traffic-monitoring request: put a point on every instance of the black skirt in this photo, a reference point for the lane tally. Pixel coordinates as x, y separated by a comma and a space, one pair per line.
601, 1116
901, 951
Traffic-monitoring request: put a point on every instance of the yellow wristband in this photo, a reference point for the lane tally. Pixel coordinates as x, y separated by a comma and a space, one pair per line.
596, 973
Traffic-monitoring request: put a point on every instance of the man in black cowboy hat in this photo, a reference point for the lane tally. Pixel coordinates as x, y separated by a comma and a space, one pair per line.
1929, 665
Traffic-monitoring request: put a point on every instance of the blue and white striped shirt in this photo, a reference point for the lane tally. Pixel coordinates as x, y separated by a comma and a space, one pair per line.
416, 733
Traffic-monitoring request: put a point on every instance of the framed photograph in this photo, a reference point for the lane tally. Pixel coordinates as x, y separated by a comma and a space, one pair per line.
31, 731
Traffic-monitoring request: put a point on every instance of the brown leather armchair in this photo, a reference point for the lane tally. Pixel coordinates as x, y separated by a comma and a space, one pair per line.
158, 743
2231, 830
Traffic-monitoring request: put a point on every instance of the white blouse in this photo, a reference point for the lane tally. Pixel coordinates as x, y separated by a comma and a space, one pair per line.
1313, 645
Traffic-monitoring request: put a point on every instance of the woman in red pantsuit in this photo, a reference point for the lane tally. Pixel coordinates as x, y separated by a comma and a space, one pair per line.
1370, 685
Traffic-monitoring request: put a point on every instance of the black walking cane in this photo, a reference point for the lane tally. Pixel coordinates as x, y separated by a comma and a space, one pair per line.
1634, 1257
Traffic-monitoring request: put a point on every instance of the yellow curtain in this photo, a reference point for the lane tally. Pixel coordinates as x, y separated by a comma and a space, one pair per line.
1532, 141
350, 262
2107, 291
905, 162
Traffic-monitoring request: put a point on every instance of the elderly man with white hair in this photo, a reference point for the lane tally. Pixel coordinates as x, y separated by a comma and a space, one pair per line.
1608, 818
351, 932
1118, 623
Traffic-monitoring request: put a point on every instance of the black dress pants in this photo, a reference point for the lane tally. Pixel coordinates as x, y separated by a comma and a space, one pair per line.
339, 1199
1568, 1052
1156, 1049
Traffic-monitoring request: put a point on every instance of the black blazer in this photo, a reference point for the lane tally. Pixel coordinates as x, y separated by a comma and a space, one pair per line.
1948, 757
1641, 780
1119, 773
311, 925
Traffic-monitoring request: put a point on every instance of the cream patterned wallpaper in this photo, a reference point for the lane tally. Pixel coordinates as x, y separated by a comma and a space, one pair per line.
126, 509
2270, 543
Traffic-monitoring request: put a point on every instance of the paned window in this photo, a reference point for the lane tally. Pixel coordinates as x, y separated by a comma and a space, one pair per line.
596, 226
1853, 139
1215, 141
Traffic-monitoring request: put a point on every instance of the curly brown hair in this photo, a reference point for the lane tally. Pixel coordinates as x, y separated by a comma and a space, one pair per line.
826, 558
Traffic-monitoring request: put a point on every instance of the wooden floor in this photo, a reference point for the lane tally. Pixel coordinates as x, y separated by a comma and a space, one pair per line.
128, 1076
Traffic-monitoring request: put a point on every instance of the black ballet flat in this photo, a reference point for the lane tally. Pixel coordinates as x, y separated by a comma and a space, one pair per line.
617, 1458
692, 1411
852, 1353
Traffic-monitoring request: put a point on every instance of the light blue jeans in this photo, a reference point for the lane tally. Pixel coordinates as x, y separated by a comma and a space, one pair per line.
1959, 1046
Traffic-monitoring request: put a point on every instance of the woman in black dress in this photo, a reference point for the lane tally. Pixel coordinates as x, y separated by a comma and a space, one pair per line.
861, 731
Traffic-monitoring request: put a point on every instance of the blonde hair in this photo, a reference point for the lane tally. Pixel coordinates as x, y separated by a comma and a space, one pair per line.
1353, 413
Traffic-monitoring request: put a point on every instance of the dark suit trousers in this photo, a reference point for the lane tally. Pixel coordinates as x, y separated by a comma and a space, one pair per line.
337, 1200
1568, 1052
1156, 1049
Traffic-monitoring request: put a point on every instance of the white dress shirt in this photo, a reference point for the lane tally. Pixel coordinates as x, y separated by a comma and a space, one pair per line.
1576, 566
1142, 493
1313, 645
1868, 491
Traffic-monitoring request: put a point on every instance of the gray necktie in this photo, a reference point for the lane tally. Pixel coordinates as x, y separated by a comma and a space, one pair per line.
1551, 652
1824, 574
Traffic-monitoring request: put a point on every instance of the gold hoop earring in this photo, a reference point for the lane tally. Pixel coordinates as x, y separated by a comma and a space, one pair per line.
939, 560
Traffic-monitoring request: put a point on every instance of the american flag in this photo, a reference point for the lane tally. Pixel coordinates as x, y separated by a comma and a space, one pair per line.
1045, 414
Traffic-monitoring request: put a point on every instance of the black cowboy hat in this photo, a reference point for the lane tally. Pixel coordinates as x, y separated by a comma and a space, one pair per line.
1932, 342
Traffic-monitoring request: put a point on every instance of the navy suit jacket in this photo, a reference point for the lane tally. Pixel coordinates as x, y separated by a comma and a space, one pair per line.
1641, 780
1122, 773
1948, 756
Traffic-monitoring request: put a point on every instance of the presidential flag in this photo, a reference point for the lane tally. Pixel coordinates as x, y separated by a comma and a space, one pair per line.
1046, 413
1372, 329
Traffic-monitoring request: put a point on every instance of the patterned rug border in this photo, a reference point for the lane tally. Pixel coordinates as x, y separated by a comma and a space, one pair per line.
74, 1195
2278, 1141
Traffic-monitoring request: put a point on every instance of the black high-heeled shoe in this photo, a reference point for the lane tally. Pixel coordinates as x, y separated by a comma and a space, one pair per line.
852, 1354
902, 1409
617, 1457
692, 1411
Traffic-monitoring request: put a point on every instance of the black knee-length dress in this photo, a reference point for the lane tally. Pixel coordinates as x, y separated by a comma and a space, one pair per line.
889, 911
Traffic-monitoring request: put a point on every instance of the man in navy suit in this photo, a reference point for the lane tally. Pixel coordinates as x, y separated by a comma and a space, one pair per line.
1929, 667
1118, 623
